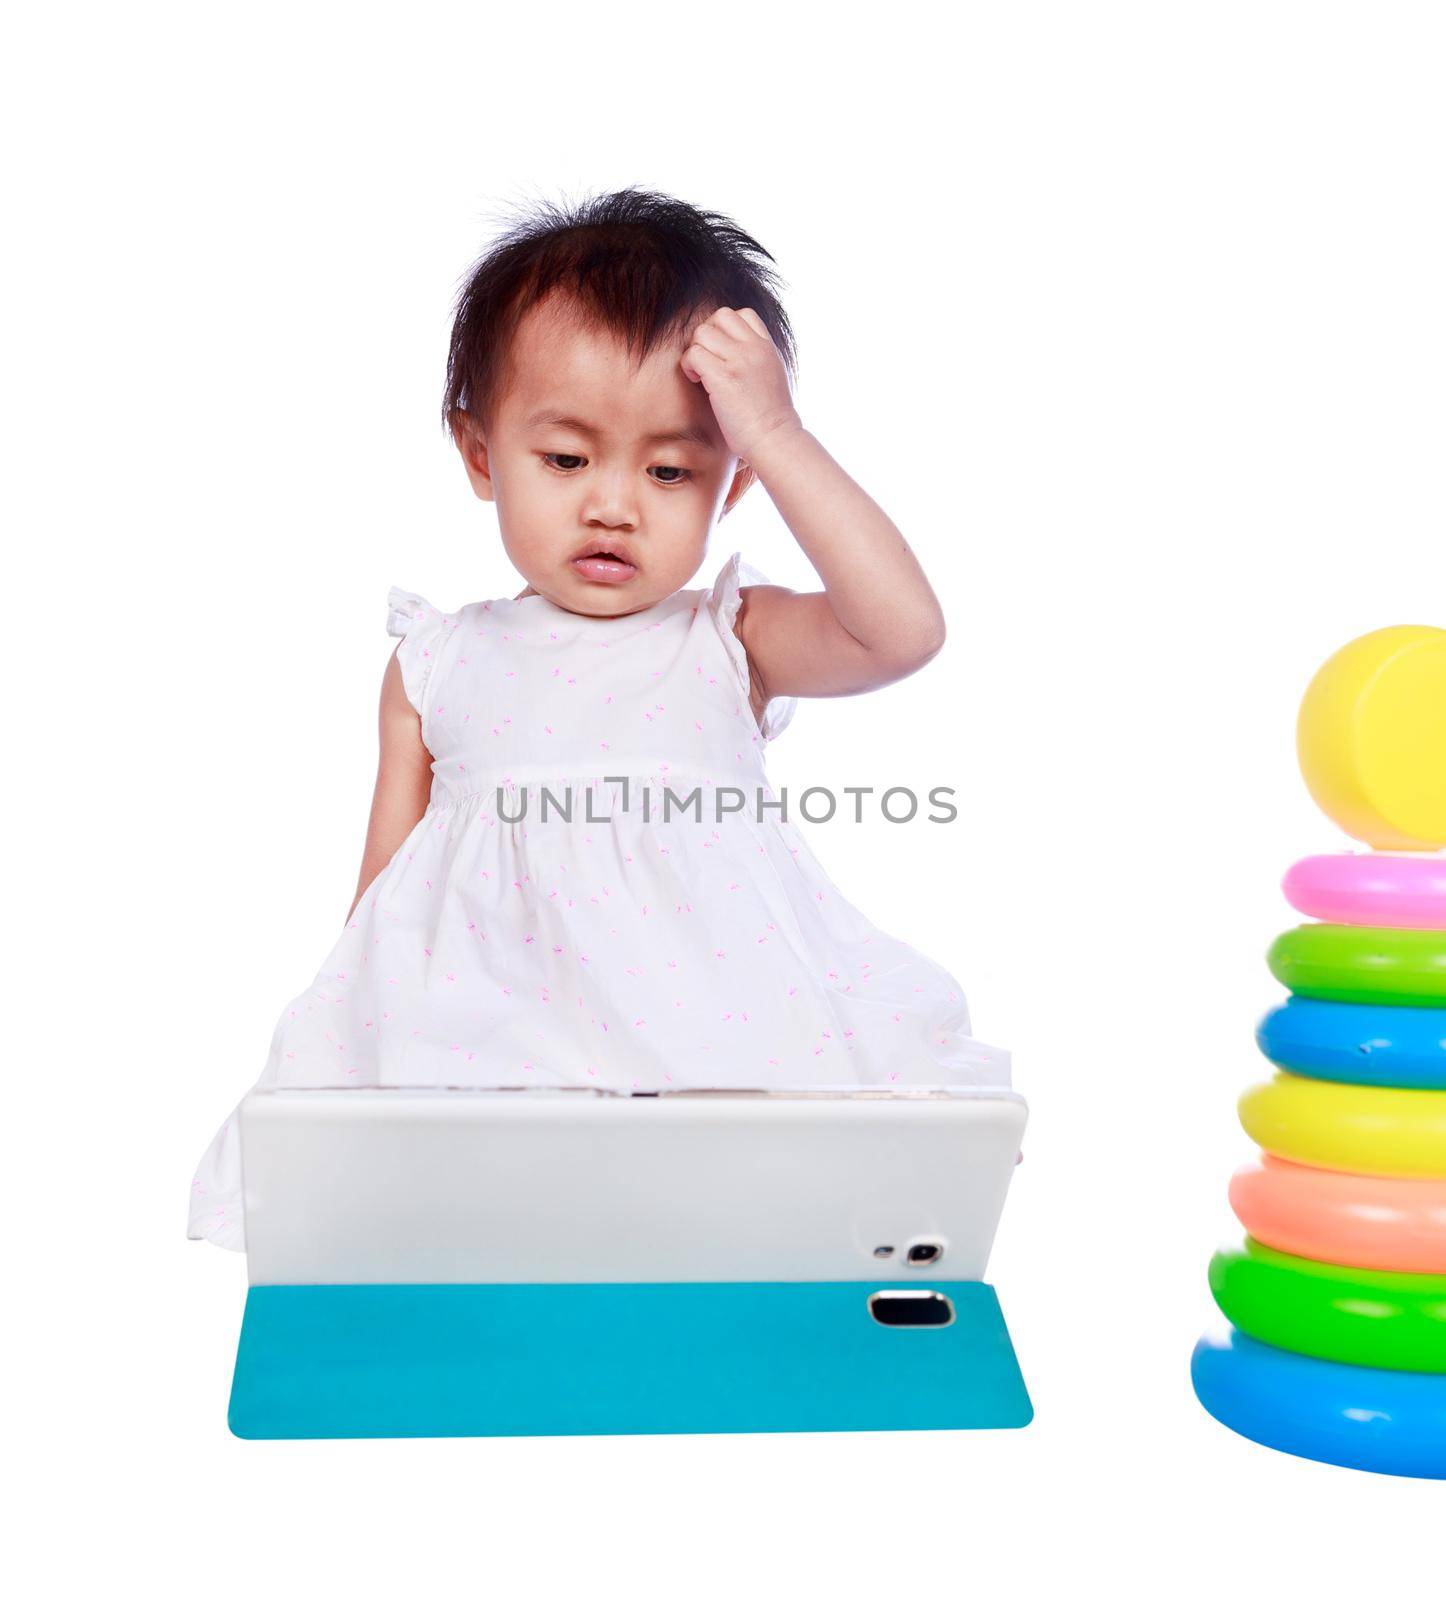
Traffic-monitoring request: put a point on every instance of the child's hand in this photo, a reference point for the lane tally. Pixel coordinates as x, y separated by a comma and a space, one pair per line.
876, 618
738, 365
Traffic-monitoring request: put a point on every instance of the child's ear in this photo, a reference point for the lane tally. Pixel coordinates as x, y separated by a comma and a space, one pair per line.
743, 480
472, 447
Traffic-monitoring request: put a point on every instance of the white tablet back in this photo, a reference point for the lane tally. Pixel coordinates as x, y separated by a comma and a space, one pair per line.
569, 1186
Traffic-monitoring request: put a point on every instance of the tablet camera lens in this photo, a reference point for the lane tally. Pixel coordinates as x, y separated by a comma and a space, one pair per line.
923, 1255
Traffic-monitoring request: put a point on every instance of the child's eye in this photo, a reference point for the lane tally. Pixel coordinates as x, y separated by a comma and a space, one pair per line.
563, 463
683, 474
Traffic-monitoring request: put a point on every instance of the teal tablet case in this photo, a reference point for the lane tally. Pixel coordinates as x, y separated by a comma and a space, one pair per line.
448, 1360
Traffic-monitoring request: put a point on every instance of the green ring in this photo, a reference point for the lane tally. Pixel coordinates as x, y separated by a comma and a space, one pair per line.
1381, 966
1395, 1320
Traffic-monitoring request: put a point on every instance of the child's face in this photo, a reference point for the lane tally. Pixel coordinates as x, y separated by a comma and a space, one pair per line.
577, 453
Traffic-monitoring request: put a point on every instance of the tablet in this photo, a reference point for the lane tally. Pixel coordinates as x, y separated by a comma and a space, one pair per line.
511, 1186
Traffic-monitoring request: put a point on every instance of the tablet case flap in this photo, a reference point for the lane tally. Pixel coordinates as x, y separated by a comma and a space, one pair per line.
449, 1360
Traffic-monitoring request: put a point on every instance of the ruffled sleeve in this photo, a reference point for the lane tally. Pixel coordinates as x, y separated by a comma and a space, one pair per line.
724, 600
421, 628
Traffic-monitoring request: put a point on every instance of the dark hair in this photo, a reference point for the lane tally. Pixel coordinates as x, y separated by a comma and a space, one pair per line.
639, 264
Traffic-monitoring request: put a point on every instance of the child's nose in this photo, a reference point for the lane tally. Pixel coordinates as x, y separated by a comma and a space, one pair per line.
611, 501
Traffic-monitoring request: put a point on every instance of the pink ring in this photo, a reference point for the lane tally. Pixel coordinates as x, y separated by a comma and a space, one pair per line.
1385, 1224
1380, 890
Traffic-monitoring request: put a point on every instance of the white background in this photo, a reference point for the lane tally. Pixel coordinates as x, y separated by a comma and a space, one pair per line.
1130, 315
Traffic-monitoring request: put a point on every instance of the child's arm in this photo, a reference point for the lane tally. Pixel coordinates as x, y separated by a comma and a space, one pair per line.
404, 779
876, 619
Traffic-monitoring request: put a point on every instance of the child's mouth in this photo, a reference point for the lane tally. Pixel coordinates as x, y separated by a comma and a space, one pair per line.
600, 567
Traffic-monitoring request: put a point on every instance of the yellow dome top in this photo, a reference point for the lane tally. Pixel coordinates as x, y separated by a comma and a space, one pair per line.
1372, 738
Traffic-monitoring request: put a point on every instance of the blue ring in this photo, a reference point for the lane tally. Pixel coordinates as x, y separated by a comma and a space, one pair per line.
1362, 1417
1398, 1047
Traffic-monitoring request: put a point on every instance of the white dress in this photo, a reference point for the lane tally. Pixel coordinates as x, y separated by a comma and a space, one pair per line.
657, 940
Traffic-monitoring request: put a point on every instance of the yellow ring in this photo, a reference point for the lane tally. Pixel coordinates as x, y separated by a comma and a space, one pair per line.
1349, 1127
1372, 738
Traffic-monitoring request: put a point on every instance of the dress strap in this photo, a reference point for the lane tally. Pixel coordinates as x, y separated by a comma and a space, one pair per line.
723, 602
421, 628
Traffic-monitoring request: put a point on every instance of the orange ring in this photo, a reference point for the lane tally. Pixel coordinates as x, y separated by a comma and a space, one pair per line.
1350, 1219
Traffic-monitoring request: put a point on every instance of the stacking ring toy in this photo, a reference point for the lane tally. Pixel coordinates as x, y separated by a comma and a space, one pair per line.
1386, 1224
1371, 738
1316, 1308
1349, 1127
1399, 1047
1374, 1420
1372, 891
1387, 966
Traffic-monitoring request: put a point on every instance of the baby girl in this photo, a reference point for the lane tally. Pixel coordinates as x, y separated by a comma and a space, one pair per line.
576, 873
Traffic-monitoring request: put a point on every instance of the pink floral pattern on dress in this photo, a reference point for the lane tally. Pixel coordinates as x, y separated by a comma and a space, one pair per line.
619, 949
